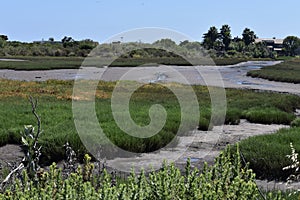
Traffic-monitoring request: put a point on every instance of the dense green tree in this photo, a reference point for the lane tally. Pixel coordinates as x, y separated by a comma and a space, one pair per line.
260, 50
248, 36
167, 43
210, 38
2, 43
183, 43
290, 44
67, 41
4, 37
225, 36
238, 45
87, 44
193, 46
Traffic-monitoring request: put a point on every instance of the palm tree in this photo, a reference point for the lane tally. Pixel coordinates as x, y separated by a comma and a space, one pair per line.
210, 38
225, 36
248, 36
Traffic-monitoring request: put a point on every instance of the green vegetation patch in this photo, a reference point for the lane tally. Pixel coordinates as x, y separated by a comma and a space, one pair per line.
42, 63
288, 71
226, 179
50, 63
268, 116
55, 109
267, 153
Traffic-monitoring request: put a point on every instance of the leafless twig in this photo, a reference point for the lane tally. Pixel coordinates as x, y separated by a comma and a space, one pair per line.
31, 149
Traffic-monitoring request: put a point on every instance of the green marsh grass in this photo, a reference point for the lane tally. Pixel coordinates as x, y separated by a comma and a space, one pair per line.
55, 109
267, 153
288, 71
268, 116
42, 63
49, 63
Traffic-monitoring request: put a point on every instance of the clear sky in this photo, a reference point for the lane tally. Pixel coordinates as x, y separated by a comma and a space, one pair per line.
29, 20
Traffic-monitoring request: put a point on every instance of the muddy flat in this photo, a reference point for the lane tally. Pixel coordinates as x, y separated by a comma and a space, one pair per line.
232, 76
200, 146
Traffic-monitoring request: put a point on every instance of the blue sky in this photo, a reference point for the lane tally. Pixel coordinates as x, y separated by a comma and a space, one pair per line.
100, 19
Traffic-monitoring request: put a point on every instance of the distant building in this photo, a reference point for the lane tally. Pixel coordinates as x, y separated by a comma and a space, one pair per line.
272, 43
116, 42
47, 42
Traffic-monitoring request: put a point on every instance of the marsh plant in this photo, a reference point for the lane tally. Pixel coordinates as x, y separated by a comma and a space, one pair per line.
294, 165
71, 160
295, 122
226, 179
31, 148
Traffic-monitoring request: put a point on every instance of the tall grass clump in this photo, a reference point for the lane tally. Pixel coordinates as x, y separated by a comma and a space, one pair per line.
233, 116
268, 116
204, 124
267, 153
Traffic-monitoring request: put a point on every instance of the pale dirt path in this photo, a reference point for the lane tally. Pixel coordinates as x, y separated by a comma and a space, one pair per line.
11, 60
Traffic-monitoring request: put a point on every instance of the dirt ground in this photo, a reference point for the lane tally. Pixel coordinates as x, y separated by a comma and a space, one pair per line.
232, 76
200, 146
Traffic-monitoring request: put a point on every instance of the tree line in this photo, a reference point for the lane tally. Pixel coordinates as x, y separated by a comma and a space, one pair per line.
218, 42
221, 43
67, 46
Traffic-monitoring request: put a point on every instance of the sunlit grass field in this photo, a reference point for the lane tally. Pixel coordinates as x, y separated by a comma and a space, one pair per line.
55, 109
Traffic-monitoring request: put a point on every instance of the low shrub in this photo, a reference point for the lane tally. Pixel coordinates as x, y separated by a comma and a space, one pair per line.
204, 124
226, 179
233, 116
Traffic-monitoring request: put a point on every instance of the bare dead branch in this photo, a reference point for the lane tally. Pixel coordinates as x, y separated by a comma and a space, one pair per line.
34, 104
8, 177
